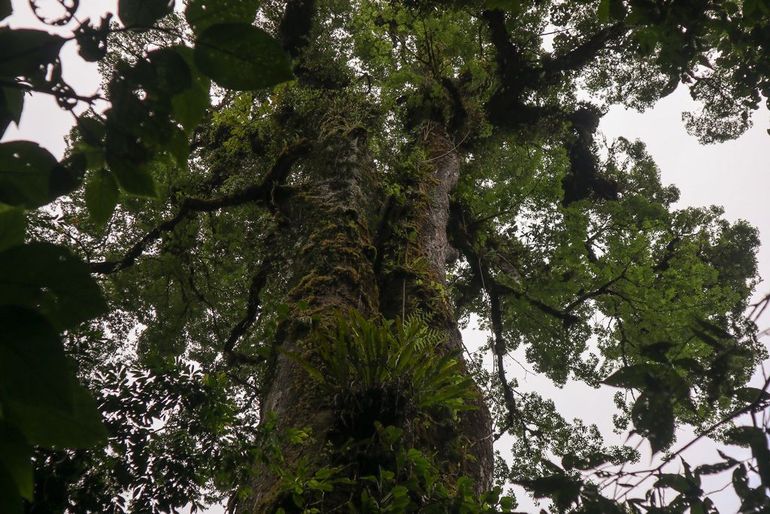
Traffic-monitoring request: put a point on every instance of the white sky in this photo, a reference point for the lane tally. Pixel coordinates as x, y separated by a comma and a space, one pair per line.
732, 174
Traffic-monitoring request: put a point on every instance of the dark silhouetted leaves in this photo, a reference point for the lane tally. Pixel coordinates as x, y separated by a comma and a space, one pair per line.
10, 499
126, 156
143, 13
77, 427
33, 366
12, 226
190, 105
201, 14
14, 458
562, 489
11, 104
5, 9
657, 351
26, 52
756, 439
656, 378
592, 461
49, 278
239, 56
42, 402
26, 172
711, 469
753, 396
101, 195
653, 417
678, 483
91, 131
167, 73
610, 10
92, 41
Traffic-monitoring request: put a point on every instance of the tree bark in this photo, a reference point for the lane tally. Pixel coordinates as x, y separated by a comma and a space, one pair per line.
333, 216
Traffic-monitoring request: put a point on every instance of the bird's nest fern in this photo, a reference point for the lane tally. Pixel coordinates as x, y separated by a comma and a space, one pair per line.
390, 372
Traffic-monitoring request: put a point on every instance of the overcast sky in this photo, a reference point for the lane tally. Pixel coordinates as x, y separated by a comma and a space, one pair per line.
732, 174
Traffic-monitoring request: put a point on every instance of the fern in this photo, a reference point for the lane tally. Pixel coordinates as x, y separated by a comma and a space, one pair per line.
386, 371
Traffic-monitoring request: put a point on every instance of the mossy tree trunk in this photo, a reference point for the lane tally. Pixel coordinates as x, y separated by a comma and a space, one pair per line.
335, 223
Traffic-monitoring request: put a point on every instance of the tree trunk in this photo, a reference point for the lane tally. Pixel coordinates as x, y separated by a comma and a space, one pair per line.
344, 262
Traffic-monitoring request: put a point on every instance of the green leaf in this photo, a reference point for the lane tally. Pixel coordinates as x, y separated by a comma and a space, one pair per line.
13, 226
756, 439
190, 105
26, 171
711, 469
741, 482
170, 73
631, 376
744, 436
617, 9
753, 10
91, 130
714, 329
240, 56
33, 368
101, 195
5, 9
676, 482
11, 105
133, 179
751, 395
143, 13
653, 417
10, 499
49, 278
603, 11
563, 489
201, 14
25, 52
78, 427
68, 175
513, 6
178, 147
126, 152
657, 351
653, 377
311, 370
16, 459
92, 40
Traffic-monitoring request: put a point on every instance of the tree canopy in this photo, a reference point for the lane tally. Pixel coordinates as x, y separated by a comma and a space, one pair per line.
243, 281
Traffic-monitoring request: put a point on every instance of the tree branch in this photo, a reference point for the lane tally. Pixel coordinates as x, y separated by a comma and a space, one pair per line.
603, 289
261, 193
496, 317
584, 52
463, 235
258, 282
508, 57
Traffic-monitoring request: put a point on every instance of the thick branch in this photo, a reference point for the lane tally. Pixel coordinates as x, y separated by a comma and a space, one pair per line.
139, 247
258, 282
463, 239
261, 193
584, 52
509, 61
496, 316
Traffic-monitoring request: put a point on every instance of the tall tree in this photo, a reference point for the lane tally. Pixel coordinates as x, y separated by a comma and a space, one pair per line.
286, 269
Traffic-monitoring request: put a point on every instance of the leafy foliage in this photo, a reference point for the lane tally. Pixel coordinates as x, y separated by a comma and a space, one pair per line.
220, 201
46, 289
